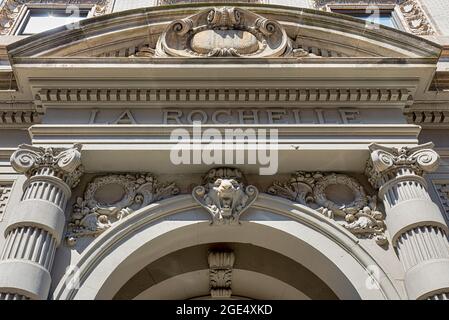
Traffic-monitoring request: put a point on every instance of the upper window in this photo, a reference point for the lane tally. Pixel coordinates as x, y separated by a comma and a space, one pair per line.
382, 14
39, 20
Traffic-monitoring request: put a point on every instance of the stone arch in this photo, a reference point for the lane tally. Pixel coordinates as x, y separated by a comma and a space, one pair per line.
273, 223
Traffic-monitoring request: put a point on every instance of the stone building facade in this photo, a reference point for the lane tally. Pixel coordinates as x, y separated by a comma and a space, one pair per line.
117, 180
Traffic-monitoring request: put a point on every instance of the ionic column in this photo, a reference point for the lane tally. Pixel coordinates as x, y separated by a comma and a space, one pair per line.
35, 228
415, 223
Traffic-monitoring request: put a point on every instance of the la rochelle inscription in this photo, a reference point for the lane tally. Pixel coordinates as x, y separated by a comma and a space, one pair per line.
234, 116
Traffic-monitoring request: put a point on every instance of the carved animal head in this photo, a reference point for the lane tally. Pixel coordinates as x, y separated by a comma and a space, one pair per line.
227, 191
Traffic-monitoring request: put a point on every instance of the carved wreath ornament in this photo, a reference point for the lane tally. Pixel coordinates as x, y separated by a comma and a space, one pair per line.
358, 215
93, 215
224, 195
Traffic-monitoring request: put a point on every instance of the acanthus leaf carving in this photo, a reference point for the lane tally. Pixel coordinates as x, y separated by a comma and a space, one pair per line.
358, 215
220, 273
92, 216
224, 195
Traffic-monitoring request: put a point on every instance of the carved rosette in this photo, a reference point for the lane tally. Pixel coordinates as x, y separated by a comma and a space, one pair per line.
92, 215
224, 195
386, 162
225, 32
220, 273
359, 215
60, 162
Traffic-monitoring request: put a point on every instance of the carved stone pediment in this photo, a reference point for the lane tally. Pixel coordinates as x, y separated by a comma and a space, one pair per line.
224, 195
224, 32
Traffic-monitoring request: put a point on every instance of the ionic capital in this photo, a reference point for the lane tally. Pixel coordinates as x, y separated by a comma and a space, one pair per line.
386, 162
64, 163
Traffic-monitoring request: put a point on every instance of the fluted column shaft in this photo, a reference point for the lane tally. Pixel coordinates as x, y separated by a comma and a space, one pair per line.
35, 228
415, 223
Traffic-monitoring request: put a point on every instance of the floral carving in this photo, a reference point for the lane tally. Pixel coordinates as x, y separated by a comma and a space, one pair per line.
224, 195
220, 273
360, 215
90, 216
416, 19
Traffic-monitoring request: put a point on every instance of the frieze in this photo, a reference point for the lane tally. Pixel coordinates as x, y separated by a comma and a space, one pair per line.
225, 116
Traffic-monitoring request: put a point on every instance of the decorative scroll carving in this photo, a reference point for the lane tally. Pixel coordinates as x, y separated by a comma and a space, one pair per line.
64, 163
412, 13
224, 195
386, 160
359, 215
5, 191
11, 9
226, 32
93, 215
220, 273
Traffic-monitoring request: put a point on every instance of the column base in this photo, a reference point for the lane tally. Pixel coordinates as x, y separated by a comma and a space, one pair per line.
25, 278
427, 279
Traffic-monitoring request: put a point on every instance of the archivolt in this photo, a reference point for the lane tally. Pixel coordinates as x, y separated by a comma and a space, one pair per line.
271, 222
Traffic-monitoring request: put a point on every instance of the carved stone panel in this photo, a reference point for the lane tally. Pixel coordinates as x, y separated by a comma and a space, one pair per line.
338, 197
111, 198
226, 32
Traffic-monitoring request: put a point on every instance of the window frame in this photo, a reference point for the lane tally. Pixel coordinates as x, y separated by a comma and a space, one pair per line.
396, 13
25, 12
